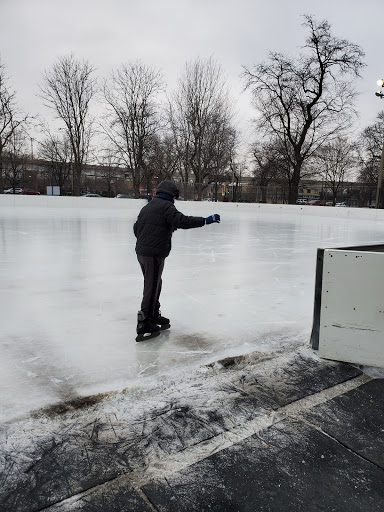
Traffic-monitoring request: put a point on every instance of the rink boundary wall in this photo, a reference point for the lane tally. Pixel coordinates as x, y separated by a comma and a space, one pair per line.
201, 208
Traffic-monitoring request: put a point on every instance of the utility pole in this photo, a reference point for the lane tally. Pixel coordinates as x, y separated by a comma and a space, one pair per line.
380, 94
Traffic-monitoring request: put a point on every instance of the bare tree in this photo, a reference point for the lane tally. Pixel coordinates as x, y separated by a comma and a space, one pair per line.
222, 156
58, 153
68, 89
110, 174
132, 118
335, 164
182, 140
15, 160
370, 147
199, 110
11, 119
162, 159
270, 165
307, 101
369, 154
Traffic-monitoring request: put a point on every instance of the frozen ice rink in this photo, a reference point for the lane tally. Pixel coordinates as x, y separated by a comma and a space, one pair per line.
71, 288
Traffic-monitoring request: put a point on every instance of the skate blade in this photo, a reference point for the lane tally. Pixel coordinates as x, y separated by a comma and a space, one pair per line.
163, 327
147, 336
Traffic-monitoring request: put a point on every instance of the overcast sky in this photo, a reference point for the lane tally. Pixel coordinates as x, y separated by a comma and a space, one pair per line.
168, 33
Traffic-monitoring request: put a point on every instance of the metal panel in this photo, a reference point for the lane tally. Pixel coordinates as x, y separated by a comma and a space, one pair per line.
317, 300
352, 307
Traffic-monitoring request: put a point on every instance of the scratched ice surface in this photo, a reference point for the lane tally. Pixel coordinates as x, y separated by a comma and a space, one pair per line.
70, 289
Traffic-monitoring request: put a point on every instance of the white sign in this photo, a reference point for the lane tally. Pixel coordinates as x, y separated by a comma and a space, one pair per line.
53, 191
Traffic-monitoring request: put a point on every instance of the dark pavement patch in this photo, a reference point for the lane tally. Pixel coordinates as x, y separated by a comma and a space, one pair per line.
355, 419
59, 465
289, 466
115, 496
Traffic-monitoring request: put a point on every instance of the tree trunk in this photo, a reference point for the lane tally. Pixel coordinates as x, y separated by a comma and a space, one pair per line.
294, 183
1, 174
263, 189
77, 179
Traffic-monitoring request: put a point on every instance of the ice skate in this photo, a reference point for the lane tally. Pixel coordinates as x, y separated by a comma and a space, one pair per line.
160, 320
146, 330
148, 336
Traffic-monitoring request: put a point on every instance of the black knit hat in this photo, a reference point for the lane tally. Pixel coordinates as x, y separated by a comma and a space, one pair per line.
168, 187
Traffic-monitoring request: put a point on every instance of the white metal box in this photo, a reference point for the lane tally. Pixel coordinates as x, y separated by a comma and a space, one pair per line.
349, 305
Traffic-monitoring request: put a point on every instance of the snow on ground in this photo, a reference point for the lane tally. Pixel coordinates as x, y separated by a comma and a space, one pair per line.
65, 454
71, 288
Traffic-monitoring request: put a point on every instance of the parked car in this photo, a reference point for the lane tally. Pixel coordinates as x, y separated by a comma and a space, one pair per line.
123, 196
92, 195
329, 203
30, 192
316, 202
13, 191
301, 201
341, 205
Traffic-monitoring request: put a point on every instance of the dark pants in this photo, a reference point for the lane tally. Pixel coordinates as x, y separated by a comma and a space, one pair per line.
152, 268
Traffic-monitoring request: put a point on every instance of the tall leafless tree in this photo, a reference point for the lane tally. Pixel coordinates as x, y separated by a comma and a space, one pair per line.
11, 119
199, 110
305, 102
110, 175
370, 147
223, 161
68, 89
270, 165
132, 119
336, 162
58, 154
162, 157
370, 150
15, 160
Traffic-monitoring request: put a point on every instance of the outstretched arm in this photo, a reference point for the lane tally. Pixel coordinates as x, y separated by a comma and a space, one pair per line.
181, 221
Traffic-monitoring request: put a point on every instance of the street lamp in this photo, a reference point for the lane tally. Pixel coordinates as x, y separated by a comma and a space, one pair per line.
380, 83
380, 94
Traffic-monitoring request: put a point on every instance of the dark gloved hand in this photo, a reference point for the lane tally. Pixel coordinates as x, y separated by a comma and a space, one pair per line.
212, 218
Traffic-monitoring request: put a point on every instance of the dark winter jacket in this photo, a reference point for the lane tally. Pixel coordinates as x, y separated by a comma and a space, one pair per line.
156, 223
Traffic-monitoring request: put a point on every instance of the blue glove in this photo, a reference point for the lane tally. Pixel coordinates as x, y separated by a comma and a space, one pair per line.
212, 218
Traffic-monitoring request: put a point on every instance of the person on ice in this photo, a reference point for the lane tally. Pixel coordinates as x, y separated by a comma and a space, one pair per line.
153, 230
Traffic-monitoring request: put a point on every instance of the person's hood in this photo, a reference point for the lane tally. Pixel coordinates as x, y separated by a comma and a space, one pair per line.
168, 187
